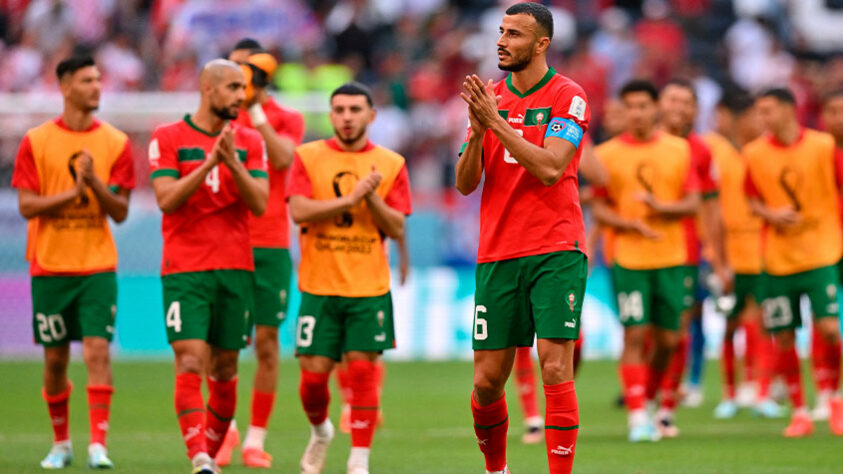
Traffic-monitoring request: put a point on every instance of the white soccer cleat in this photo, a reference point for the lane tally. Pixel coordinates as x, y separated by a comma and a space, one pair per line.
504, 471
666, 424
768, 408
313, 459
642, 428
693, 397
726, 410
746, 394
98, 457
59, 457
358, 470
203, 464
822, 411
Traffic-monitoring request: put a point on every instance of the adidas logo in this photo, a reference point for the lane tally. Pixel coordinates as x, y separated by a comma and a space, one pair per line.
562, 450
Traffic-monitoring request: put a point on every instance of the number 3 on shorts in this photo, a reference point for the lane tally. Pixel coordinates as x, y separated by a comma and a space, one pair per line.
304, 332
174, 316
481, 326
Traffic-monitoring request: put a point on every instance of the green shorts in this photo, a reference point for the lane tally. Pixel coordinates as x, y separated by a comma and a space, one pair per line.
781, 299
522, 298
211, 305
656, 296
330, 326
746, 286
69, 308
273, 268
691, 280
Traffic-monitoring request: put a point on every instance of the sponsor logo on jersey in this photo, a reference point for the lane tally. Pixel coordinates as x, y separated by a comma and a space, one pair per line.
380, 337
519, 119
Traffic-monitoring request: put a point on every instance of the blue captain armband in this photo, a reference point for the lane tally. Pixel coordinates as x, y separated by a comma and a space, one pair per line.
565, 129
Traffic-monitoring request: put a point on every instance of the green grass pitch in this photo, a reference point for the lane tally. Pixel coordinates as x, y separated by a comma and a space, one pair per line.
427, 427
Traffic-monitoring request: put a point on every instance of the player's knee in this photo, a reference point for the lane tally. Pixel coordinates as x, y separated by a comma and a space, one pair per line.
829, 329
488, 385
189, 364
785, 340
556, 371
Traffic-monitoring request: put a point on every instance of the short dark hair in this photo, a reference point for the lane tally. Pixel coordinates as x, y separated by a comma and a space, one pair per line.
640, 85
683, 83
782, 94
73, 64
736, 101
537, 11
354, 88
835, 94
248, 43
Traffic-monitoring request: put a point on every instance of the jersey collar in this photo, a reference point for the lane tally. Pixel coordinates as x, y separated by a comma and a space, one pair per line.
626, 137
192, 125
547, 77
332, 144
778, 144
60, 122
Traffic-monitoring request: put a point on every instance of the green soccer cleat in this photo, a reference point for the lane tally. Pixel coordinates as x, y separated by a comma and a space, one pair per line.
726, 410
98, 457
59, 457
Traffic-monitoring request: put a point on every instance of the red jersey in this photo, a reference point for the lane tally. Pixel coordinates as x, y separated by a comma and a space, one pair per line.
520, 216
272, 229
701, 166
209, 231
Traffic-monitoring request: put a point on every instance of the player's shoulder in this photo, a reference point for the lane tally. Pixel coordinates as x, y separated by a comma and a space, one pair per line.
675, 146
311, 147
389, 156
246, 134
168, 129
113, 132
757, 147
609, 146
819, 137
561, 84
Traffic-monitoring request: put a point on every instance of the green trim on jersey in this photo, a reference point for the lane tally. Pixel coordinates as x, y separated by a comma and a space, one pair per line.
191, 154
259, 174
165, 172
189, 121
550, 73
710, 195
241, 154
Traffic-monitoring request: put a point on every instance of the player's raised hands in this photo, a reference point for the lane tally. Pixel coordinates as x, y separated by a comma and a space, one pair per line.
86, 166
481, 100
226, 152
642, 229
366, 186
785, 218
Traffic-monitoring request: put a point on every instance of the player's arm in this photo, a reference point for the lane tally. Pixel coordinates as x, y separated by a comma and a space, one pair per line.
689, 205
546, 163
779, 218
31, 204
591, 168
605, 215
712, 219
279, 148
172, 192
304, 209
469, 169
114, 203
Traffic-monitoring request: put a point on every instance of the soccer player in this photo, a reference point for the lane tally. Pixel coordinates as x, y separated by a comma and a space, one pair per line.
524, 135
71, 173
793, 184
827, 379
737, 125
208, 174
652, 185
347, 195
282, 129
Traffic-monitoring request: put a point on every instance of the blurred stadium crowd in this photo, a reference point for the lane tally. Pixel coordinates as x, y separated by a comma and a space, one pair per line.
415, 52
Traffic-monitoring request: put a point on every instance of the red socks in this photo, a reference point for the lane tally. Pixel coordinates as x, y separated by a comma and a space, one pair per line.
190, 410
673, 376
634, 381
562, 422
99, 405
57, 408
525, 380
788, 364
364, 402
765, 356
825, 358
222, 401
653, 380
344, 382
315, 396
729, 367
262, 404
491, 423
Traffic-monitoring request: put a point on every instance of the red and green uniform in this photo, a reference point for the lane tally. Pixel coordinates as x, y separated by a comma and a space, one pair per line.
207, 264
701, 165
344, 272
532, 238
270, 233
71, 252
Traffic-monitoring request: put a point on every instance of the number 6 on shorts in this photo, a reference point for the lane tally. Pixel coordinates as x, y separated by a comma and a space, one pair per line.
481, 326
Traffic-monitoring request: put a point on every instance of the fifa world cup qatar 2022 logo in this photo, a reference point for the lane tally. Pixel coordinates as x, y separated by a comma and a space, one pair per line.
71, 167
343, 184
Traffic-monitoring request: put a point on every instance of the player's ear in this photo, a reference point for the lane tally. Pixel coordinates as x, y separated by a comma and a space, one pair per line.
372, 114
542, 45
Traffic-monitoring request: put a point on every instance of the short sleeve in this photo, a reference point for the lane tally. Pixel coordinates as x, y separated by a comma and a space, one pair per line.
291, 125
256, 159
708, 185
163, 160
399, 196
123, 171
299, 184
838, 166
25, 175
601, 192
692, 181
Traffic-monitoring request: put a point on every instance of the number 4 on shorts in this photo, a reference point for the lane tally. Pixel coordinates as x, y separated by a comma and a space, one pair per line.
174, 316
